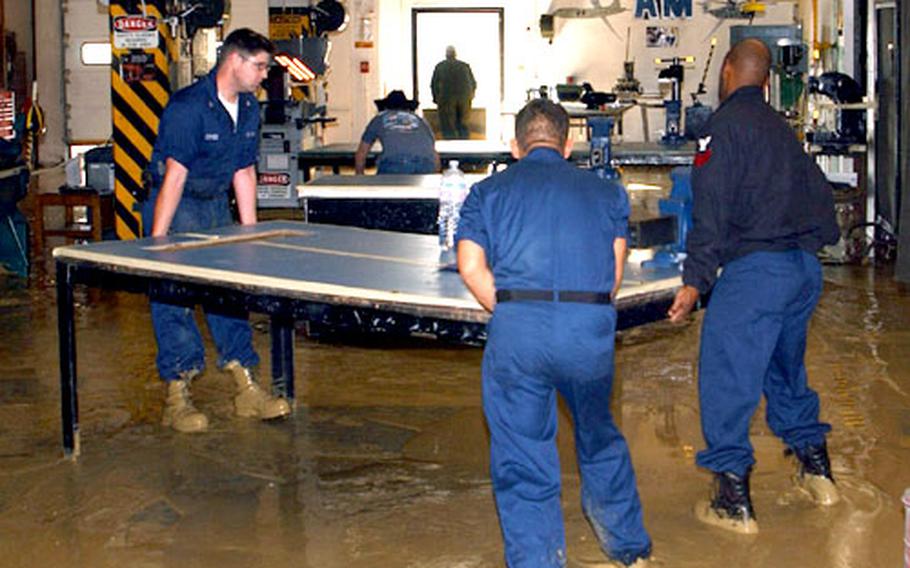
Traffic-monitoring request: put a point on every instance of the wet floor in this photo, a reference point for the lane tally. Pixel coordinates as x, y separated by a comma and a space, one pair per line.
385, 462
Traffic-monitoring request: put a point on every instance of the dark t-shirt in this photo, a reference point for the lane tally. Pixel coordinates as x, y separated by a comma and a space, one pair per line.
403, 134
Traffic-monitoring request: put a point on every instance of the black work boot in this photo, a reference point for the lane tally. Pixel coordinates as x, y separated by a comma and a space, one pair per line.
730, 507
814, 476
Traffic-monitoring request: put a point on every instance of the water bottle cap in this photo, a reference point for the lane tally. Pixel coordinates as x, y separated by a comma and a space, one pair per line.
453, 164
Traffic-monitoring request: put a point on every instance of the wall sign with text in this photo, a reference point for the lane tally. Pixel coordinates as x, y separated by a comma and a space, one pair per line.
663, 9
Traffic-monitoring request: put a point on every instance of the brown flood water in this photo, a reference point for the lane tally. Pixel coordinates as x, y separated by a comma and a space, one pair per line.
385, 461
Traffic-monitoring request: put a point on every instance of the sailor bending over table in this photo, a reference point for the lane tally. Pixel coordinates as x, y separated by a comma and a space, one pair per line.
408, 146
542, 245
207, 141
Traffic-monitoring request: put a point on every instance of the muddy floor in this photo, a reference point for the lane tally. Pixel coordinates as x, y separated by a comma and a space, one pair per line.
384, 463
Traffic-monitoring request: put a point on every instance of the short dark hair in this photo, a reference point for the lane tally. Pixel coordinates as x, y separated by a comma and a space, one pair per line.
541, 121
245, 42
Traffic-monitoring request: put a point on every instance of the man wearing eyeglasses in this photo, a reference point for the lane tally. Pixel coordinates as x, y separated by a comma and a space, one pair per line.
207, 142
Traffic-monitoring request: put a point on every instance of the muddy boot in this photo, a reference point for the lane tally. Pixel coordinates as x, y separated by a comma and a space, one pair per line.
814, 476
612, 563
251, 400
637, 563
179, 412
730, 508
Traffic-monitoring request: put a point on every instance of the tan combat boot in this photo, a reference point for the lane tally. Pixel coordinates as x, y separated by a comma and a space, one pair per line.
251, 400
179, 412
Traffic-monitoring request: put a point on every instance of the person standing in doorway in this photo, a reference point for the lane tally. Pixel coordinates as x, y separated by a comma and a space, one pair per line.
208, 140
552, 331
453, 87
762, 210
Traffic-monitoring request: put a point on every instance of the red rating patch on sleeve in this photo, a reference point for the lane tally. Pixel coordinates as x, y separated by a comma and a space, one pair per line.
703, 156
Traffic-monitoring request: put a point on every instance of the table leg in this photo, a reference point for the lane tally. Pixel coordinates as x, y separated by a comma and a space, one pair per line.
282, 332
66, 331
644, 122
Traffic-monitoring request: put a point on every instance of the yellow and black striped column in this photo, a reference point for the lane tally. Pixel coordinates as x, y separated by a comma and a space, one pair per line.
140, 87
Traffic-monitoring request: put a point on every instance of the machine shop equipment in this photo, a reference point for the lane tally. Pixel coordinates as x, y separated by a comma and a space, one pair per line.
673, 74
627, 87
295, 113
849, 124
601, 128
789, 64
697, 114
595, 99
678, 205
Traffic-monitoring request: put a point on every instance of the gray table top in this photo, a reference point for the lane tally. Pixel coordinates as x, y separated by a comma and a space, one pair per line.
326, 263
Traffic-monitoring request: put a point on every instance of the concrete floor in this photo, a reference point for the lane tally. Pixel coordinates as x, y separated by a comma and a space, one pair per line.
385, 462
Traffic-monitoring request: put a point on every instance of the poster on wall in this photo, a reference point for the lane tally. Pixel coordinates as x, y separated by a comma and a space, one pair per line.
137, 66
661, 36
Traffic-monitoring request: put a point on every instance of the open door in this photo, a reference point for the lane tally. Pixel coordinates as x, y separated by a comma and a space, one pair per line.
477, 35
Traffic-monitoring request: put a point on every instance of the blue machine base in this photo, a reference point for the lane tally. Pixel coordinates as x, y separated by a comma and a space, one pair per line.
665, 259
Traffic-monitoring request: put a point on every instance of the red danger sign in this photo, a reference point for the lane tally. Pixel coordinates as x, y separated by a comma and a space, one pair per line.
266, 178
135, 23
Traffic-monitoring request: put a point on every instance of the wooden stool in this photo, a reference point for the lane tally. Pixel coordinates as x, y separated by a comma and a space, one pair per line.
100, 213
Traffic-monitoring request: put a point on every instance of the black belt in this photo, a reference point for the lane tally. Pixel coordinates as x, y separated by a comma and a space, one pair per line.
553, 296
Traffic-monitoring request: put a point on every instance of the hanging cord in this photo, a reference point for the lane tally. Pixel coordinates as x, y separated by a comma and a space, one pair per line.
34, 127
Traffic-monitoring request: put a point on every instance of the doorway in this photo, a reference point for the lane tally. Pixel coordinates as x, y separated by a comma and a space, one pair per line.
477, 35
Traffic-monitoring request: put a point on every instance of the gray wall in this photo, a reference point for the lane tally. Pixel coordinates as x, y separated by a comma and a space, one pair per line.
49, 47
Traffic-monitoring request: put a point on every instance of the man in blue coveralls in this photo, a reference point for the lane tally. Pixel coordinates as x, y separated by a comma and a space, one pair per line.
542, 245
762, 210
207, 141
408, 146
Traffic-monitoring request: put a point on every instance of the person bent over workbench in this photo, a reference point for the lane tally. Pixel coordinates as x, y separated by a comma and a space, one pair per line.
408, 146
542, 246
207, 141
762, 210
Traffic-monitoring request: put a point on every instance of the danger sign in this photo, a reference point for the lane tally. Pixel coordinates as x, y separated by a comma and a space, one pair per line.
266, 178
135, 32
135, 23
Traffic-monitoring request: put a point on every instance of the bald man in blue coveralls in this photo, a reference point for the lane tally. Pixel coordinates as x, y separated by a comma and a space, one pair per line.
762, 210
541, 245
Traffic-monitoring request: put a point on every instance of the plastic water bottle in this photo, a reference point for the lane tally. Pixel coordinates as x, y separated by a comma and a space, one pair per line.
452, 193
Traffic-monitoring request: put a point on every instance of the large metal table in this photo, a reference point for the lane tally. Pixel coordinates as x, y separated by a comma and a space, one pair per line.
290, 271
498, 153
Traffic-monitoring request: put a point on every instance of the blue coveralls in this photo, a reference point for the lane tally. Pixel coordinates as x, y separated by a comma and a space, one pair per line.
547, 225
197, 131
762, 209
